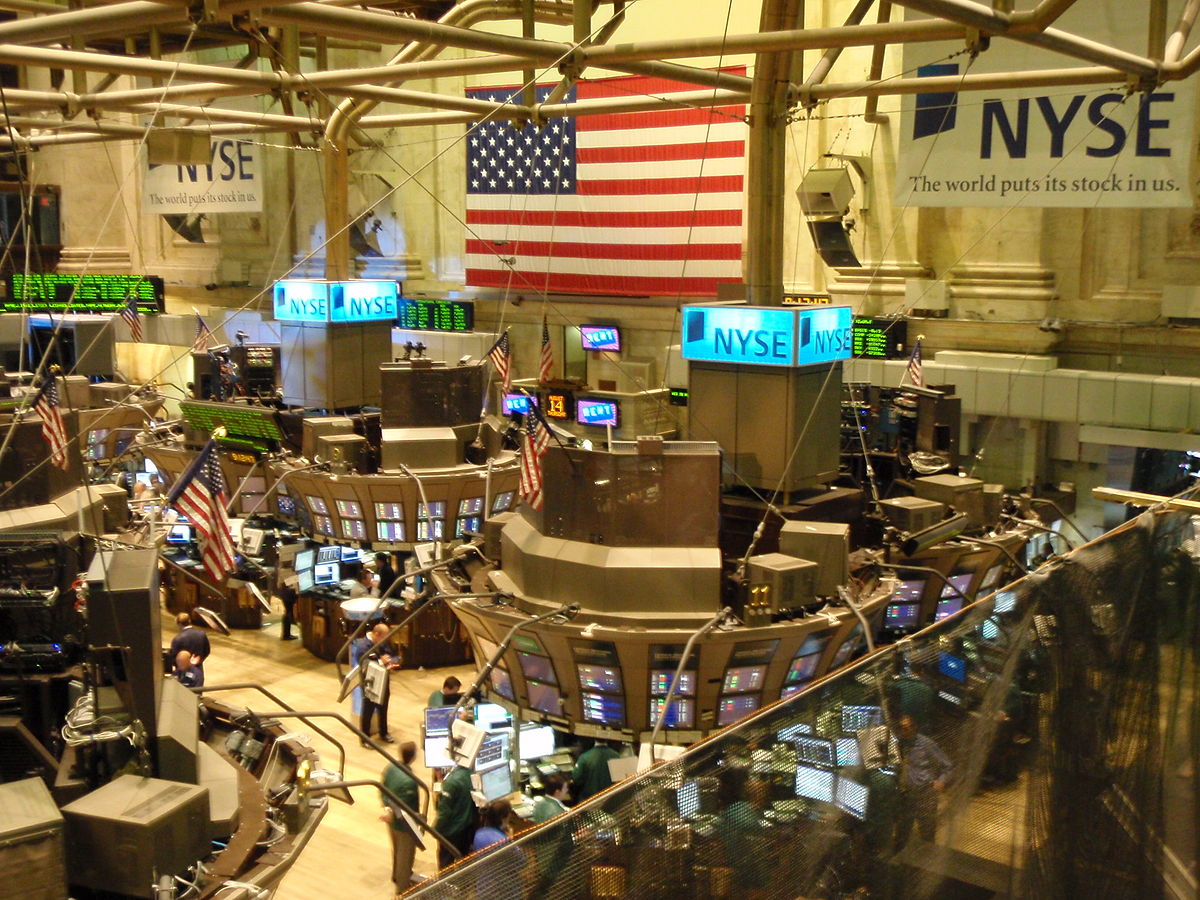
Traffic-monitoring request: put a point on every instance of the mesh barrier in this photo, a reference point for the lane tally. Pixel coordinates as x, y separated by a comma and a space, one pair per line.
1042, 743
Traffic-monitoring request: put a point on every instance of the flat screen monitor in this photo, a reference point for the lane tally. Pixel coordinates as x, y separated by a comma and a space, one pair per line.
599, 678
991, 577
600, 337
851, 797
814, 643
502, 683
250, 504
791, 732
989, 629
590, 411
437, 753
304, 580
331, 553
179, 534
286, 505
687, 798
603, 709
856, 718
802, 668
252, 541
902, 615
390, 532
960, 582
814, 750
437, 720
743, 678
953, 667
490, 716
351, 554
503, 501
492, 752
305, 559
544, 698
518, 403
847, 752
682, 713
947, 607
730, 709
537, 741
814, 783
1006, 602
326, 573
909, 591
538, 668
496, 782
660, 683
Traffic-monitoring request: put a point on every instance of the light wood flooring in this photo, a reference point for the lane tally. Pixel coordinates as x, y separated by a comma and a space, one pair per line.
350, 854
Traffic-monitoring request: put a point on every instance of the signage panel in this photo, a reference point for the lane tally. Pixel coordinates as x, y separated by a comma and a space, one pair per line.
767, 336
93, 292
301, 300
417, 314
231, 182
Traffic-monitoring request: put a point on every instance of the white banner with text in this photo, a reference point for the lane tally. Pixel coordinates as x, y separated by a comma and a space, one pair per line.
231, 182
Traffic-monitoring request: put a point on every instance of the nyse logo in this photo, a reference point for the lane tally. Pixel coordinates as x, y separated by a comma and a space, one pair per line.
740, 335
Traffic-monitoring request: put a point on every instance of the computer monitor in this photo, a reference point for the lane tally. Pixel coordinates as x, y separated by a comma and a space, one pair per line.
545, 698
437, 720
847, 752
909, 591
730, 709
492, 752
502, 683
599, 678
603, 709
851, 797
791, 732
953, 667
947, 607
537, 741
304, 580
496, 782
1005, 602
252, 541
326, 573
660, 683
437, 753
600, 337
489, 716
682, 713
957, 585
590, 411
305, 559
814, 783
518, 403
179, 534
536, 667
330, 553
814, 750
991, 577
743, 678
856, 718
902, 615
687, 798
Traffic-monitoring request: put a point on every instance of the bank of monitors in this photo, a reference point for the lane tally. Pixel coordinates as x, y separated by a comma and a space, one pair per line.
856, 718
815, 784
326, 573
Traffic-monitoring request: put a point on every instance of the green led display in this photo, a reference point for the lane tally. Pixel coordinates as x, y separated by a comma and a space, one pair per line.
80, 293
240, 421
878, 338
436, 315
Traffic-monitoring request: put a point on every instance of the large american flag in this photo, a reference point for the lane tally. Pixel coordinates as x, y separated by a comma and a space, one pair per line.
47, 407
533, 448
646, 203
199, 494
133, 318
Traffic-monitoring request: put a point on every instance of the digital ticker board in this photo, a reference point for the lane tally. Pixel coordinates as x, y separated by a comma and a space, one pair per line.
87, 292
879, 338
436, 315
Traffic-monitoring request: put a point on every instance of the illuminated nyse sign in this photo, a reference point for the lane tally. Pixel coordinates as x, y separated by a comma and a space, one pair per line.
767, 335
81, 293
336, 301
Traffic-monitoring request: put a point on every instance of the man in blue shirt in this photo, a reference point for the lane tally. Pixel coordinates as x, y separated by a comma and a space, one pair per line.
924, 773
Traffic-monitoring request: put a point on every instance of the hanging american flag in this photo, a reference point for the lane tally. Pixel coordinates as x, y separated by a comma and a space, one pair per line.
533, 448
546, 370
199, 494
47, 406
914, 366
203, 334
502, 360
133, 318
638, 203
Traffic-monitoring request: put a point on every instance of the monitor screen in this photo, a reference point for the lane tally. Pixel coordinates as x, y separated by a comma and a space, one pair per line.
286, 505
815, 750
492, 752
390, 532
730, 709
856, 718
603, 709
902, 615
326, 573
660, 683
814, 643
953, 667
252, 541
947, 607
745, 678
490, 716
544, 698
179, 534
847, 752
503, 501
518, 403
250, 504
496, 782
331, 553
908, 591
989, 630
537, 741
851, 797
304, 580
815, 784
590, 411
681, 715
600, 337
687, 798
802, 668
791, 732
305, 559
1006, 602
991, 577
437, 720
599, 678
960, 584
502, 683
437, 753
538, 668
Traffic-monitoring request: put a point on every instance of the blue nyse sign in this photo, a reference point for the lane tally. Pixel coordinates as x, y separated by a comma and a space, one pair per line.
766, 336
300, 300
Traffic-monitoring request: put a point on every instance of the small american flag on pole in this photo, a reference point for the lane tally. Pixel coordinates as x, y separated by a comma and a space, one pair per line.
502, 360
47, 406
533, 448
203, 334
546, 370
914, 366
133, 318
635, 203
199, 494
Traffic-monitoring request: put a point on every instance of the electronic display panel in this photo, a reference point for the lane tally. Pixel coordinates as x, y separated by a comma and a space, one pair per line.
544, 698
467, 525
502, 683
851, 797
847, 752
85, 292
814, 783
326, 573
814, 643
304, 580
437, 509
437, 753
991, 577
603, 709
879, 338
856, 718
305, 559
682, 713
953, 667
600, 337
437, 720
502, 501
957, 585
537, 741
947, 607
743, 678
389, 510
348, 508
538, 668
179, 534
286, 505
518, 403
687, 798
317, 505
354, 529
791, 732
492, 752
909, 591
414, 314
329, 554
814, 750
730, 709
496, 782
390, 532
490, 716
589, 411
424, 531
902, 615
1005, 602
660, 683
249, 504
252, 541
558, 405
802, 668
599, 678
470, 506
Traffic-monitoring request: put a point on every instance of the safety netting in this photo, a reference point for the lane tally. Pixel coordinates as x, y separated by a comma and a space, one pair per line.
1041, 743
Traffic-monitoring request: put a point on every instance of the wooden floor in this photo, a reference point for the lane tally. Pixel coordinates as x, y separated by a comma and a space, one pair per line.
350, 855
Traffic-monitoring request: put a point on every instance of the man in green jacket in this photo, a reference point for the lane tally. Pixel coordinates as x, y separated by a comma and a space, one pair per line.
590, 775
404, 842
455, 814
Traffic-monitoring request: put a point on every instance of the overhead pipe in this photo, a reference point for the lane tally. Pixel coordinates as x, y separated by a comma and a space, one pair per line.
1183, 29
871, 113
112, 19
830, 56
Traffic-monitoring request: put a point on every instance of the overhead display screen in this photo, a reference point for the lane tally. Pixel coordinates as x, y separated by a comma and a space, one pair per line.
435, 315
80, 292
300, 300
879, 338
589, 411
767, 335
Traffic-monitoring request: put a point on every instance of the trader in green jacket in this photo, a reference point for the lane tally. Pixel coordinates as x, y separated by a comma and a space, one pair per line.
455, 814
404, 842
590, 775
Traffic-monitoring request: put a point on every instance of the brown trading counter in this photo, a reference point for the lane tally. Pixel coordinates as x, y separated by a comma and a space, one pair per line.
235, 603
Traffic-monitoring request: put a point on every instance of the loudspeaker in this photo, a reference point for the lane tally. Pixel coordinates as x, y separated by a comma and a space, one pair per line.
825, 192
833, 243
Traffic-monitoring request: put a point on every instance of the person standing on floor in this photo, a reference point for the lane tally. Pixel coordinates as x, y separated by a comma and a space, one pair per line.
590, 775
375, 702
191, 639
455, 814
400, 781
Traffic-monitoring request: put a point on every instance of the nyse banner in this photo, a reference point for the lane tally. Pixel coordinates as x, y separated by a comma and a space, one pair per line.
767, 336
232, 181
1081, 146
302, 300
